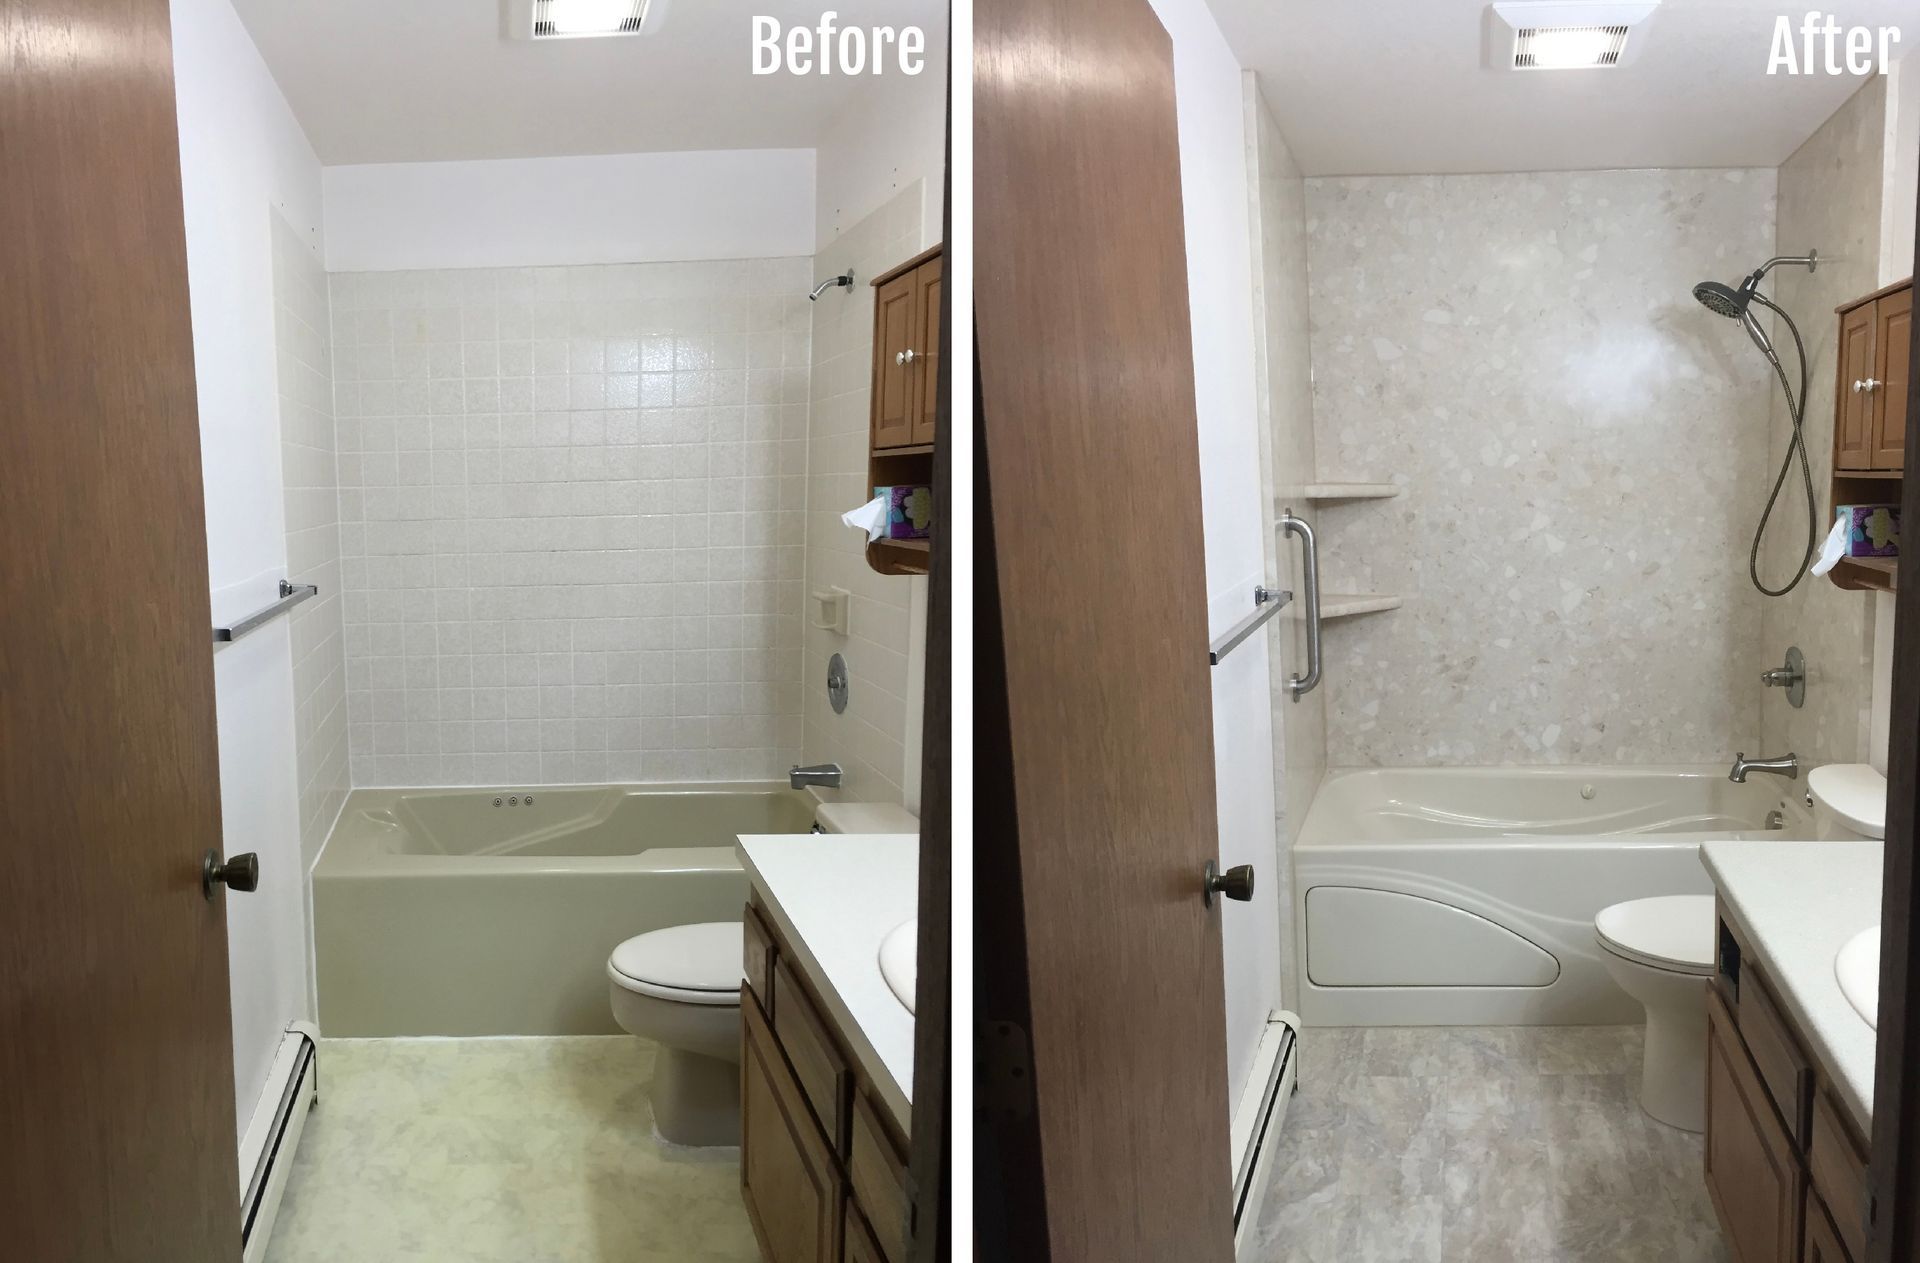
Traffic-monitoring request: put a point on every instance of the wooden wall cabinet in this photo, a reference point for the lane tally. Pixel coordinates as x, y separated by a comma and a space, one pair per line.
1787, 1176
821, 1172
1870, 416
906, 392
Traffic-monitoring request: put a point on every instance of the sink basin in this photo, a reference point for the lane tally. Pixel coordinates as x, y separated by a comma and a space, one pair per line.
899, 960
1857, 966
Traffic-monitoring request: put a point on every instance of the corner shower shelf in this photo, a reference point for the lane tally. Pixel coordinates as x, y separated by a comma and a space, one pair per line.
1323, 492
1348, 604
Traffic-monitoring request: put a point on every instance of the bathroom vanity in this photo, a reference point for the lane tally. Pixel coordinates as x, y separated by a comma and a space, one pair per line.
1789, 1057
827, 1055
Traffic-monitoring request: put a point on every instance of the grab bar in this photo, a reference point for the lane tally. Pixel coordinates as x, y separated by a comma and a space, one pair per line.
291, 594
1267, 602
1299, 686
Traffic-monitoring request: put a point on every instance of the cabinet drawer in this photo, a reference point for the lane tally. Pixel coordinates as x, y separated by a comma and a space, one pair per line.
1840, 1175
879, 1179
816, 1059
1753, 1174
861, 1246
756, 964
1776, 1053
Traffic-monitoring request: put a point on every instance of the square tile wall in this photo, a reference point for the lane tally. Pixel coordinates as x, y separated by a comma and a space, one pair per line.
304, 366
571, 506
868, 740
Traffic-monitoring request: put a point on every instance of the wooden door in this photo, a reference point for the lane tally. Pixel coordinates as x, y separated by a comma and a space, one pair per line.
926, 344
893, 401
1099, 966
1753, 1177
1892, 339
1853, 411
116, 1071
788, 1177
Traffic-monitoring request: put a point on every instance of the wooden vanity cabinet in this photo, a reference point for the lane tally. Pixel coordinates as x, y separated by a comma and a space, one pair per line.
822, 1172
1785, 1171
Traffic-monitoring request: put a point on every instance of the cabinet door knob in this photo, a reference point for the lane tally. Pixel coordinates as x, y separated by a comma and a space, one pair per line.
903, 357
1871, 385
1858, 385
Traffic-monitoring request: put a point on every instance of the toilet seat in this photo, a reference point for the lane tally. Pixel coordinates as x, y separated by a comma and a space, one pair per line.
688, 964
1670, 932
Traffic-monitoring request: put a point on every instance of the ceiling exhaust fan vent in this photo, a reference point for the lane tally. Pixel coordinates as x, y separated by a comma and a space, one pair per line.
577, 19
1568, 47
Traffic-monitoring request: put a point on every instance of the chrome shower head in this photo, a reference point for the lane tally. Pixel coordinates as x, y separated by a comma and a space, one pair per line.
1724, 300
845, 278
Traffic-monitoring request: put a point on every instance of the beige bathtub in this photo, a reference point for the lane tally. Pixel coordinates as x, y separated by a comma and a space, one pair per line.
478, 912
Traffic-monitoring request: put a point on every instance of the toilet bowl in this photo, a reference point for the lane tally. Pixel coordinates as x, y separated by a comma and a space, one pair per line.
1849, 802
680, 988
1660, 951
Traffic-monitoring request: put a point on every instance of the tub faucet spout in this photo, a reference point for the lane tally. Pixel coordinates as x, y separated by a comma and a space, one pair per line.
1787, 766
823, 774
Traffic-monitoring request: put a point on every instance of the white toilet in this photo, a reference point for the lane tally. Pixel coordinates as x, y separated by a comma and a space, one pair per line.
1660, 951
680, 988
1849, 802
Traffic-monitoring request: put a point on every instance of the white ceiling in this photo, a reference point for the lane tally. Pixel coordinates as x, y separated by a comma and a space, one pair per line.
432, 80
1395, 87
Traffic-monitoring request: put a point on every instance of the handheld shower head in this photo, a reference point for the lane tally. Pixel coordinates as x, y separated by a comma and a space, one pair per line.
845, 278
1737, 304
1723, 300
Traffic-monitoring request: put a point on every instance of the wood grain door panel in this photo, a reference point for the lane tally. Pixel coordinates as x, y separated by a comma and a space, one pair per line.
893, 400
1853, 411
1090, 442
927, 282
116, 1072
788, 1176
1892, 348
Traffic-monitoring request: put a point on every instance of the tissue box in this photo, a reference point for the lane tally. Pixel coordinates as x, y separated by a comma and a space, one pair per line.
1873, 529
909, 511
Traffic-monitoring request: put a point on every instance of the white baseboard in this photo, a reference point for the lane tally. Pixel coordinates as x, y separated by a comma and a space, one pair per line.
273, 1134
1257, 1122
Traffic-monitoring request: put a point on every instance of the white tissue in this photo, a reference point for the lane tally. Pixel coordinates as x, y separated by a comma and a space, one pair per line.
870, 517
1836, 546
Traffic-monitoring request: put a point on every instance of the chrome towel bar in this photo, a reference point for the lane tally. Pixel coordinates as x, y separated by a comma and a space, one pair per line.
291, 594
1299, 686
1267, 602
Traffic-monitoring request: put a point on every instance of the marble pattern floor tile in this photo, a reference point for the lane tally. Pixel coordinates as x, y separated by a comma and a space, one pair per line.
1489, 1144
515, 1150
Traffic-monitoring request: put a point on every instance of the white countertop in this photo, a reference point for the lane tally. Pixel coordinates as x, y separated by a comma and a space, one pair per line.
833, 897
1798, 903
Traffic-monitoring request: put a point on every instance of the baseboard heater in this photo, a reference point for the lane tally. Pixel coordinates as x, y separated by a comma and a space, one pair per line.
266, 1151
1258, 1120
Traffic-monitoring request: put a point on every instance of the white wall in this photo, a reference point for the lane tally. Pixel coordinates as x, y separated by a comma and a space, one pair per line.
892, 133
882, 169
1215, 192
542, 212
242, 157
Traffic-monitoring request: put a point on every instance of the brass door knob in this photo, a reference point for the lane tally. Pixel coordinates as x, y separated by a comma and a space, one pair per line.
1235, 883
242, 872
